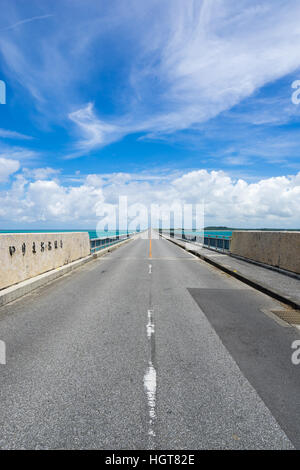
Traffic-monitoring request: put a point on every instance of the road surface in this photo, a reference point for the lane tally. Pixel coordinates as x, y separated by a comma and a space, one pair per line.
147, 347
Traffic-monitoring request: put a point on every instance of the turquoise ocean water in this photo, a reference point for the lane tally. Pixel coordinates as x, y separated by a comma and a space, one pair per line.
212, 233
93, 233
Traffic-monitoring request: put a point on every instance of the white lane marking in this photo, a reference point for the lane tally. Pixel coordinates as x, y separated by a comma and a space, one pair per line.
2, 353
150, 268
150, 326
150, 377
150, 387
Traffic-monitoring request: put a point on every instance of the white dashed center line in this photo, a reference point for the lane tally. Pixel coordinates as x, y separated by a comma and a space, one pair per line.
150, 378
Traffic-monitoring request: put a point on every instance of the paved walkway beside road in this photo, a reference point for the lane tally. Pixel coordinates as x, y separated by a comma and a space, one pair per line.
277, 284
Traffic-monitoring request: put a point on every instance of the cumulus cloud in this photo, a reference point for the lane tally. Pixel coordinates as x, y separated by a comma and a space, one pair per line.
7, 168
49, 201
52, 201
271, 202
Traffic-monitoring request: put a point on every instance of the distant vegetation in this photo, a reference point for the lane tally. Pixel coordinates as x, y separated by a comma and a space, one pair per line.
218, 228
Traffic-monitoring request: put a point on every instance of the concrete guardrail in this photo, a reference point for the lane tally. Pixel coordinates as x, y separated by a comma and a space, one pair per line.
278, 249
25, 255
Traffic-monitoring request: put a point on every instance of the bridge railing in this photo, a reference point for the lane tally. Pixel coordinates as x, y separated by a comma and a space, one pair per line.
217, 242
104, 242
214, 242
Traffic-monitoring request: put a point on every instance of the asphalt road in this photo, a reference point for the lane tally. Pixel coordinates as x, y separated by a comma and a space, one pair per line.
147, 347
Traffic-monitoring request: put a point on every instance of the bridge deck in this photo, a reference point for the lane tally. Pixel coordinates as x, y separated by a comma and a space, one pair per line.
132, 351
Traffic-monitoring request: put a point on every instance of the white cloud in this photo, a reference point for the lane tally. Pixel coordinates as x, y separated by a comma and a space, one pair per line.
51, 201
270, 202
94, 131
218, 53
18, 153
7, 134
41, 173
7, 168
24, 21
186, 61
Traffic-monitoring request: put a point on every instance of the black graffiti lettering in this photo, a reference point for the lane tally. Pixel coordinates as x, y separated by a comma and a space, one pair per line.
12, 250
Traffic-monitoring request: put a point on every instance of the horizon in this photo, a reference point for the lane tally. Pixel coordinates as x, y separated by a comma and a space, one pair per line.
208, 228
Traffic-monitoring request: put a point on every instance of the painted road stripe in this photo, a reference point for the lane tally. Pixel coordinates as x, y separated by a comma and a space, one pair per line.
150, 379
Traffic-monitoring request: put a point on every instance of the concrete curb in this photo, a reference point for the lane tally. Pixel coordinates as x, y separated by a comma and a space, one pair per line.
25, 287
240, 276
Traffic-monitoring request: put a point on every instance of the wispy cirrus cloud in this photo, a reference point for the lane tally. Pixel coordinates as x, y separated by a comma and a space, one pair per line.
24, 21
7, 134
195, 64
94, 132
176, 72
18, 153
41, 173
177, 64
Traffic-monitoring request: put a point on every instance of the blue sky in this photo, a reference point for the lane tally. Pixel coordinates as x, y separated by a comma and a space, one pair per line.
138, 98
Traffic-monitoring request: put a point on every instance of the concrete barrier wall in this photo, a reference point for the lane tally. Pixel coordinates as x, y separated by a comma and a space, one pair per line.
279, 249
25, 255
